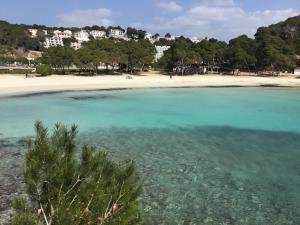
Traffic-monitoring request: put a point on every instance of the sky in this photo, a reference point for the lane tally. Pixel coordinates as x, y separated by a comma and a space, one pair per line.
222, 19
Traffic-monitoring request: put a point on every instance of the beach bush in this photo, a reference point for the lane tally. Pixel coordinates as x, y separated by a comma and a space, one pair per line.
43, 70
67, 185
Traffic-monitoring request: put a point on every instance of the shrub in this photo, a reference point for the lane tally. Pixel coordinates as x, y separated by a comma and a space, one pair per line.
65, 188
43, 70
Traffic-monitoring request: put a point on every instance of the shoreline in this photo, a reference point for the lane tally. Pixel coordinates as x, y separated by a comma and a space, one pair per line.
16, 85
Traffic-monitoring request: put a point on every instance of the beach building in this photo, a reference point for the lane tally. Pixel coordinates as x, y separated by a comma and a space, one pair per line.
160, 52
82, 36
33, 32
75, 45
98, 34
117, 33
53, 41
297, 71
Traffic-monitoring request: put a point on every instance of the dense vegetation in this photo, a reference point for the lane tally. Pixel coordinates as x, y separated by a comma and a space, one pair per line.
17, 36
109, 53
276, 47
66, 188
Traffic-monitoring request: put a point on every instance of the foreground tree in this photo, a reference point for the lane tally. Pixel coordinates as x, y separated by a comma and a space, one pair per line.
65, 189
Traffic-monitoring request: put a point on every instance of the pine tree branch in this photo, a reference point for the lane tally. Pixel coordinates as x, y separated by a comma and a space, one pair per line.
74, 185
73, 200
44, 215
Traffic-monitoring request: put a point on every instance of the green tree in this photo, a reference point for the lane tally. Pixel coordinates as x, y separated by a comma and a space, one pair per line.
64, 189
179, 56
168, 35
135, 34
43, 70
213, 52
273, 52
241, 53
41, 36
84, 60
59, 58
67, 41
139, 54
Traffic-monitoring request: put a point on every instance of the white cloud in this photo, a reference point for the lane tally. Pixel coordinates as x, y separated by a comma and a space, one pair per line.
219, 19
219, 3
168, 6
100, 16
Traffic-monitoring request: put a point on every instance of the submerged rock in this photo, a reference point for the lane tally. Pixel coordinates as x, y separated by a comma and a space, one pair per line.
11, 175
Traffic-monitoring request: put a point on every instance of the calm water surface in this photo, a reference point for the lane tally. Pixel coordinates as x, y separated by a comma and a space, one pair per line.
207, 155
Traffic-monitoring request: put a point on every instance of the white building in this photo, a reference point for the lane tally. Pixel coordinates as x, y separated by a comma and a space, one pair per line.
63, 34
196, 40
54, 41
75, 45
172, 38
98, 34
82, 36
160, 52
67, 34
33, 32
116, 33
297, 71
148, 36
56, 33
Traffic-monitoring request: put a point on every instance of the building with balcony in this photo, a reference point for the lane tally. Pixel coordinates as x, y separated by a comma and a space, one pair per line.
54, 41
117, 33
63, 34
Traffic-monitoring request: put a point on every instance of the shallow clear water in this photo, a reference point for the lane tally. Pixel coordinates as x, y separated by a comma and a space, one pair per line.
207, 155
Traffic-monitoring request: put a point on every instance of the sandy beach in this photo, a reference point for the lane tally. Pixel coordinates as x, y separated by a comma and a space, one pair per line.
18, 85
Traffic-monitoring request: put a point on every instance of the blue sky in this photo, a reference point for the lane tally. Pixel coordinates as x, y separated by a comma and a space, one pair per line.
223, 19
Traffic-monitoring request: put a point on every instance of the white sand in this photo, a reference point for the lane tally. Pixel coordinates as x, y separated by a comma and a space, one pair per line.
16, 85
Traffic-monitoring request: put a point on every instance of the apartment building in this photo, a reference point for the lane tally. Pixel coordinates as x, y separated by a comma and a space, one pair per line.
63, 34
98, 34
53, 41
82, 36
116, 33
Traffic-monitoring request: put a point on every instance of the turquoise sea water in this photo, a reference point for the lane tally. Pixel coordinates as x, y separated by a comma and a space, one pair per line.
207, 155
